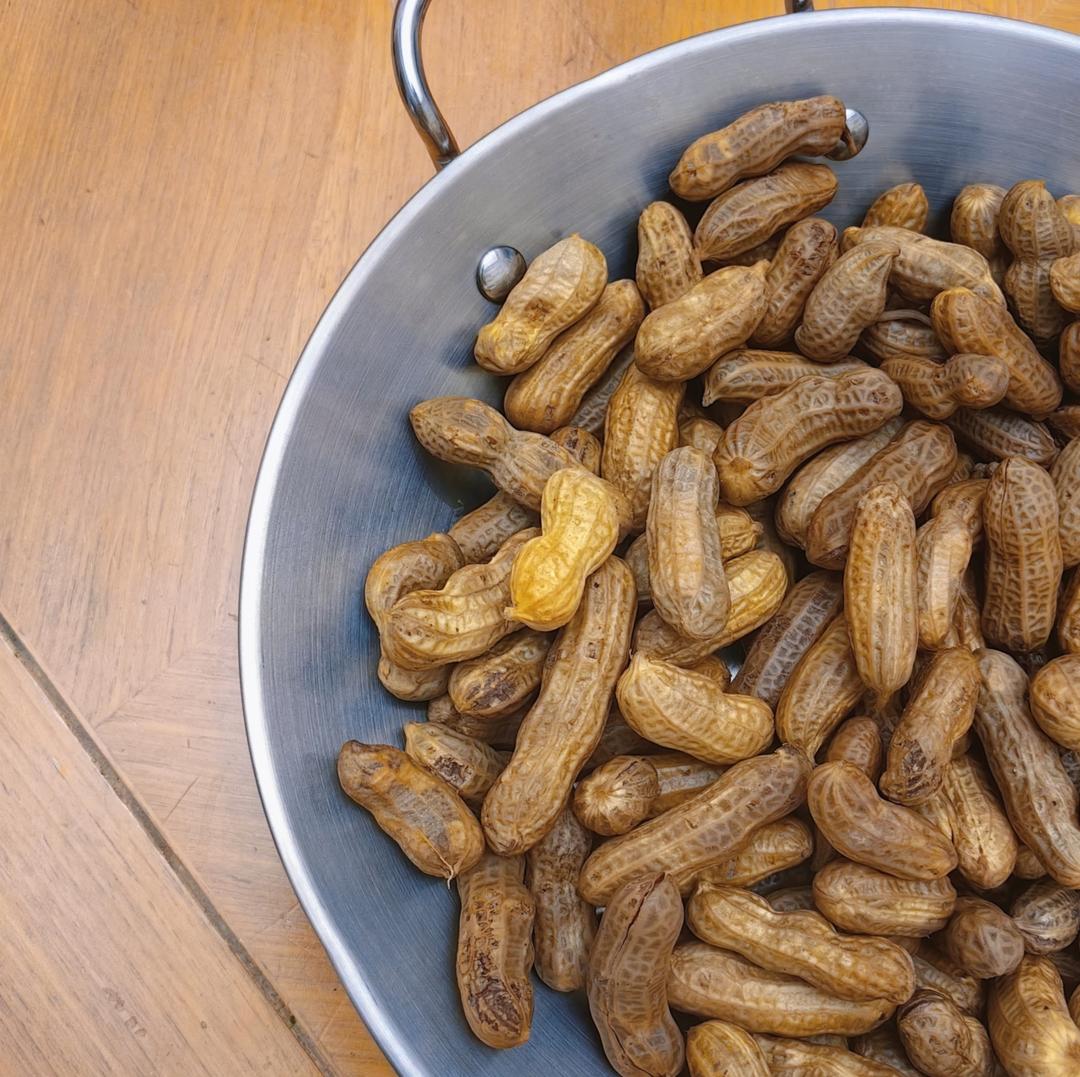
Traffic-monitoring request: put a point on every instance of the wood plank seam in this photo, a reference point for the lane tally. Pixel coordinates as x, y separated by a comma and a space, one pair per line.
128, 798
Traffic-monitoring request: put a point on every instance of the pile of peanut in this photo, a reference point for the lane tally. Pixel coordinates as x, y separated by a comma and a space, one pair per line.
841, 466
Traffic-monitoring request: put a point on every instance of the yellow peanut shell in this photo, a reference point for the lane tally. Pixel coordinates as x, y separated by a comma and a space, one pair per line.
1069, 204
756, 143
901, 337
755, 209
982, 939
1047, 915
771, 848
466, 764
1065, 281
995, 433
689, 712
685, 337
805, 1058
903, 206
1066, 475
701, 433
617, 795
721, 1049
503, 680
746, 374
774, 435
937, 390
974, 219
667, 264
582, 445
790, 898
942, 1040
560, 286
480, 533
943, 550
1055, 700
420, 811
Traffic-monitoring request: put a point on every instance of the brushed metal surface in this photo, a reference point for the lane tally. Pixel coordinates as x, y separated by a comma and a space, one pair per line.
950, 99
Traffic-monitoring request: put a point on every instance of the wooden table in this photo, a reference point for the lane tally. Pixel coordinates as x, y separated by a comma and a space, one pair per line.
182, 186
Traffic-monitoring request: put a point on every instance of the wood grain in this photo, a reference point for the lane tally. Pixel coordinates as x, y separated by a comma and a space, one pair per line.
182, 188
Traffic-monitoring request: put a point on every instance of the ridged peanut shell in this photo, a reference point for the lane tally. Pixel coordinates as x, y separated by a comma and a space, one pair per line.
746, 374
938, 389
700, 433
503, 680
1068, 622
974, 218
1066, 475
771, 848
1055, 700
942, 550
1047, 915
882, 1047
1065, 281
936, 972
1027, 284
617, 795
466, 764
943, 1041
858, 741
721, 1049
902, 206
480, 533
996, 434
592, 410
667, 264
1032, 224
679, 777
982, 939
901, 338
802, 1058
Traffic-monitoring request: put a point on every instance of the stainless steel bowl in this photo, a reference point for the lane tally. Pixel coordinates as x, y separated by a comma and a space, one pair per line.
950, 98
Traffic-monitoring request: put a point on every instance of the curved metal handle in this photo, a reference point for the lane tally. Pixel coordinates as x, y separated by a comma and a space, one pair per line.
415, 92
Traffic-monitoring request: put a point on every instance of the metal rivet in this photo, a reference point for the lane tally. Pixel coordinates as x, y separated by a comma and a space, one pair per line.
856, 132
498, 270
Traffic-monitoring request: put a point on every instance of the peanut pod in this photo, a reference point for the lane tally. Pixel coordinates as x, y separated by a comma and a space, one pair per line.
902, 206
721, 1049
982, 939
667, 264
617, 795
480, 533
995, 434
974, 218
771, 848
1055, 700
466, 764
937, 390
943, 1041
503, 680
803, 1058
942, 551
1066, 475
745, 375
1047, 916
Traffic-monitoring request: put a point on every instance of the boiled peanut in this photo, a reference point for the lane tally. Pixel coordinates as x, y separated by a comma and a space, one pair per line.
942, 550
756, 582
943, 1041
791, 898
1068, 625
903, 206
480, 533
616, 796
1065, 282
964, 499
974, 219
807, 250
1069, 358
871, 831
686, 570
938, 973
689, 712
756, 143
1066, 475
997, 433
616, 739
702, 830
1069, 204
968, 620
495, 950
564, 725
774, 435
772, 848
419, 810
763, 514
849, 297
1028, 285
560, 286
883, 1046
1047, 916
494, 731
802, 1058
1030, 1027
503, 680
685, 337
918, 459
547, 395
1039, 798
822, 690
414, 685
466, 764
1055, 700
627, 978
701, 433
1028, 865
1067, 964
937, 390
745, 375
1023, 556
667, 265
857, 741
462, 620
719, 984
818, 477
720, 1049
967, 322
592, 411
679, 777
965, 466
582, 445
755, 209
806, 611
641, 428
565, 926
580, 523
937, 716
764, 251
880, 596
901, 338
982, 939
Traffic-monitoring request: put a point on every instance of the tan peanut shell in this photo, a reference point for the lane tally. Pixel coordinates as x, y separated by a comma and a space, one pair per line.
902, 206
685, 337
757, 582
861, 899
942, 551
703, 830
919, 459
1028, 865
565, 925
667, 265
641, 428
1023, 556
583, 446
756, 143
997, 434
1055, 700
462, 620
746, 375
617, 738
1039, 798
495, 950
420, 811
466, 764
564, 725
963, 499
749, 213
580, 523
771, 848
883, 1047
938, 714
804, 1058
924, 267
1069, 204
480, 533
858, 741
965, 466
943, 1041
721, 1049
1032, 224
822, 474
802, 944
967, 322
503, 680
936, 972
774, 435
982, 939
937, 390
627, 978
807, 250
719, 984
547, 395
679, 777
763, 513
791, 898
1030, 1027
892, 337
1065, 281
1028, 285
880, 595
686, 569
871, 831
822, 690
849, 297
1047, 916
617, 795
806, 611
974, 219
700, 433
1068, 624
592, 410
499, 732
690, 713
1066, 475
415, 685
560, 286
